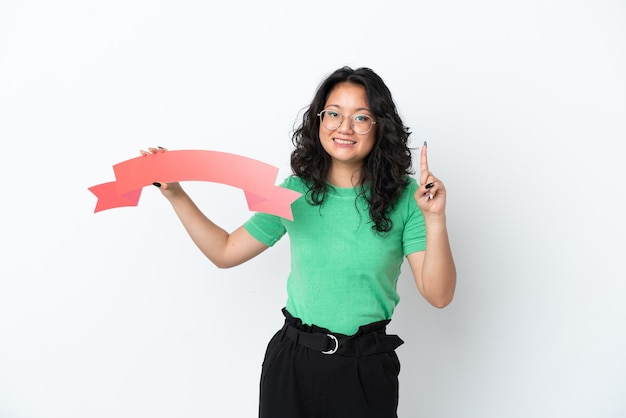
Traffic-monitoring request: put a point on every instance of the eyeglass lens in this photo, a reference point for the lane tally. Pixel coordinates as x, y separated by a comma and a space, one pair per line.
332, 120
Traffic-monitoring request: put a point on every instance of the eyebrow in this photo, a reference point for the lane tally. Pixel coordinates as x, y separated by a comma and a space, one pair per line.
360, 109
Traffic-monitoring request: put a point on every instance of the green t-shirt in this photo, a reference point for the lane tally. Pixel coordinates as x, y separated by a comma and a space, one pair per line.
343, 274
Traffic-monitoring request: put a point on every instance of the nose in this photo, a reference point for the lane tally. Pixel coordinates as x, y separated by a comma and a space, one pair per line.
346, 125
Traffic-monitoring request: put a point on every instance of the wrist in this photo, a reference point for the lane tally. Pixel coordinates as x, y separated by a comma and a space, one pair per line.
174, 193
435, 221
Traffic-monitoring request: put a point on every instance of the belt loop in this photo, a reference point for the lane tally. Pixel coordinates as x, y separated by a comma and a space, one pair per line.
378, 345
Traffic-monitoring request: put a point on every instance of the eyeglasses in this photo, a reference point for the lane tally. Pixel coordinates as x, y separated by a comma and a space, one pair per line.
360, 123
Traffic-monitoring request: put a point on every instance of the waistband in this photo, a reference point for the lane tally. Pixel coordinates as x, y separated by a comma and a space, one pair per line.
369, 339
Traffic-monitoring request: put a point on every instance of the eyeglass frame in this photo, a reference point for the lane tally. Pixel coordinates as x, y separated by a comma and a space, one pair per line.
350, 118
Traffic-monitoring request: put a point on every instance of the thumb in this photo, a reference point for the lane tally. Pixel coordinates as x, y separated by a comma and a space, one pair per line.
172, 187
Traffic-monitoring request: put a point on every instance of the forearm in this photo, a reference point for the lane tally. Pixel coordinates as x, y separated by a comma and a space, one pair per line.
208, 237
438, 273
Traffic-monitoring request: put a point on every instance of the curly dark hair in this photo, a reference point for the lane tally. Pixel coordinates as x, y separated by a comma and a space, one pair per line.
385, 170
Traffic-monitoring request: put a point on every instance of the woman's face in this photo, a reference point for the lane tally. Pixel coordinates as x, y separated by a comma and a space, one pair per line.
344, 145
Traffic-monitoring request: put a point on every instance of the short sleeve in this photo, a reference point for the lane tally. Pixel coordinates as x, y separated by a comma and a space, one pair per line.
266, 228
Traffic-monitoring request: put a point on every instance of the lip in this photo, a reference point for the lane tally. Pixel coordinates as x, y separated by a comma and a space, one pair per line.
344, 141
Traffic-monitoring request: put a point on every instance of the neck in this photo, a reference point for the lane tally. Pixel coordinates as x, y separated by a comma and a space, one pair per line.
344, 176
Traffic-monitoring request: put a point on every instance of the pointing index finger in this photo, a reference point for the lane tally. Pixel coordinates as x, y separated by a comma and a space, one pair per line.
423, 164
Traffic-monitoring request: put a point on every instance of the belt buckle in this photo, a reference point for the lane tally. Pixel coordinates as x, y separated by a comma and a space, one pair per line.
333, 350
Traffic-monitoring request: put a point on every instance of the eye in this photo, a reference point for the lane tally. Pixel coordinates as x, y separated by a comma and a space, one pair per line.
361, 118
332, 114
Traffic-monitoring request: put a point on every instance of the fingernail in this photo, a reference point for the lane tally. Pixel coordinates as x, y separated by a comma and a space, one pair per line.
425, 144
157, 184
160, 147
429, 185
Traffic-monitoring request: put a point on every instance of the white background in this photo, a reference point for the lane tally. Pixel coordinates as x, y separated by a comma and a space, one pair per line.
117, 314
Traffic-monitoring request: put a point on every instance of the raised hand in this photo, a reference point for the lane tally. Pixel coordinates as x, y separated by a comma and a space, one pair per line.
166, 188
152, 150
431, 195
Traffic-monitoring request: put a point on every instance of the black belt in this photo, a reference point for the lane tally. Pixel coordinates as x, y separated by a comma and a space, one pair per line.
354, 346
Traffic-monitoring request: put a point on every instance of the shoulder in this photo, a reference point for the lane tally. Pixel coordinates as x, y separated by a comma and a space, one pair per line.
406, 200
294, 182
411, 186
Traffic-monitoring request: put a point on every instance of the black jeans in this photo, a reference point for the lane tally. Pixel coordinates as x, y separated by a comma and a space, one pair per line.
357, 378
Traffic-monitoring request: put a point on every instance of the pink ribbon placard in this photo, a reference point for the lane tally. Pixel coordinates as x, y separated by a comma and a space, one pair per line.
254, 177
